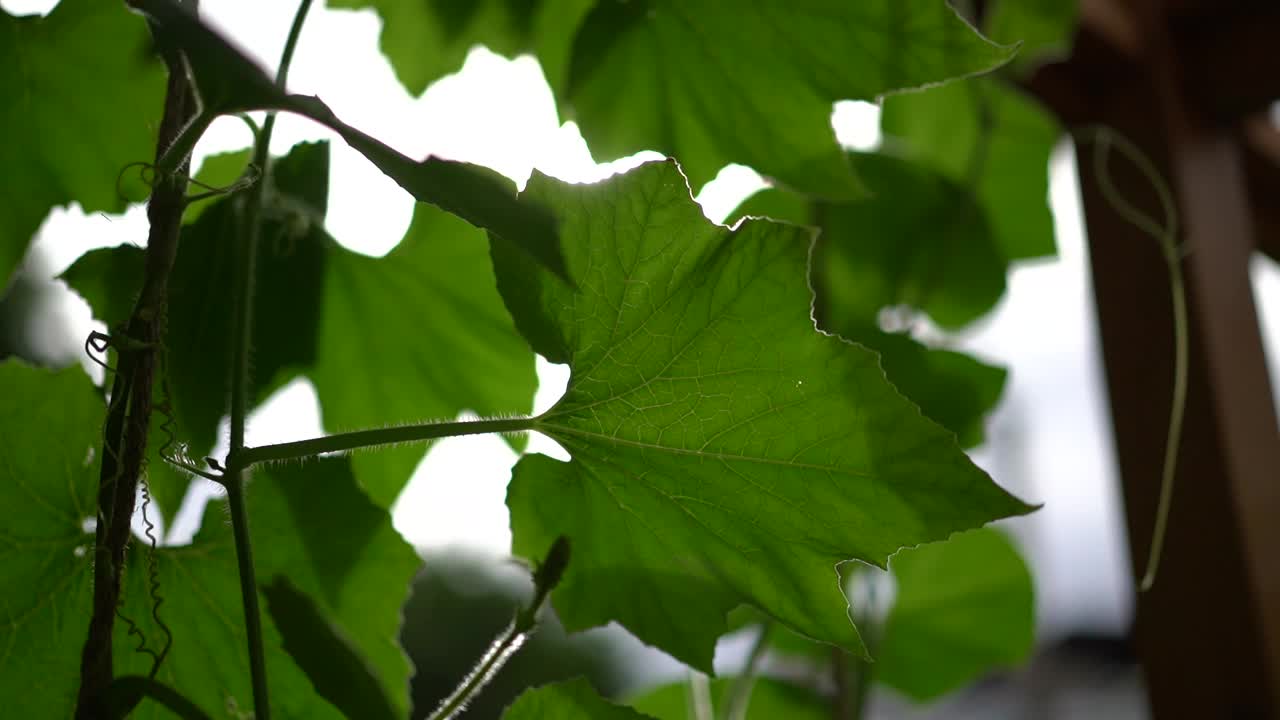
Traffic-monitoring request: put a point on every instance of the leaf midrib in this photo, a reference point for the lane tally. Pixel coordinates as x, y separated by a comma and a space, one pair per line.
553, 429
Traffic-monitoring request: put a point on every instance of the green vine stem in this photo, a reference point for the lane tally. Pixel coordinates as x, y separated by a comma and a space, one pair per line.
700, 706
127, 425
735, 708
242, 334
346, 442
522, 625
1166, 235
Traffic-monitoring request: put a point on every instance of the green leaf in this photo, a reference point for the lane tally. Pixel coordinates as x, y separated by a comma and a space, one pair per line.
724, 452
82, 95
1044, 29
428, 332
713, 82
571, 700
49, 432
427, 39
770, 699
991, 138
920, 241
228, 81
324, 652
963, 607
954, 390
323, 310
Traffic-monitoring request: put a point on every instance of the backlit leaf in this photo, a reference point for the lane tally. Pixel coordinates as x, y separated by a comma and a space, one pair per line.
724, 451
427, 39
920, 241
963, 607
360, 327
419, 334
49, 435
713, 82
82, 97
991, 138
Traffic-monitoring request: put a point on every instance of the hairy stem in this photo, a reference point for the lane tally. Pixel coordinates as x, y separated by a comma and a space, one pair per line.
127, 425
522, 625
242, 337
740, 692
343, 442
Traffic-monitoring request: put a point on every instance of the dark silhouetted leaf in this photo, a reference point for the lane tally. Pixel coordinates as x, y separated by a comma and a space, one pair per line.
324, 652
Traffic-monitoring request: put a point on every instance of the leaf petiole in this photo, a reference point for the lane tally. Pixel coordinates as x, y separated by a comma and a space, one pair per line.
345, 442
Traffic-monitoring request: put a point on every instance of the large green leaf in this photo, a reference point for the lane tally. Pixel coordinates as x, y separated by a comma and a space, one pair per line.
427, 39
963, 607
714, 82
49, 431
81, 98
370, 332
990, 138
770, 700
920, 241
572, 700
724, 452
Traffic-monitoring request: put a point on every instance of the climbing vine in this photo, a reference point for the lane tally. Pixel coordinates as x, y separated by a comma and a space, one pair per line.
749, 440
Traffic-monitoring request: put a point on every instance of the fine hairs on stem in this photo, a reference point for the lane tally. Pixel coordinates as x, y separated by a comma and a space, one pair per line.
546, 577
1166, 234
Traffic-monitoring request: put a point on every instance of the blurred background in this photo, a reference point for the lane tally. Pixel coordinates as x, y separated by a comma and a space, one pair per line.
1049, 441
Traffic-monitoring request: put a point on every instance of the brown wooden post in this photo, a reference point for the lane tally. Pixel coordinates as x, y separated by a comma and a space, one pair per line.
1208, 634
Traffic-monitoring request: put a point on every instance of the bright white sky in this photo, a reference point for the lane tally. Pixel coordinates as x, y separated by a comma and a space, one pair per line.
1050, 437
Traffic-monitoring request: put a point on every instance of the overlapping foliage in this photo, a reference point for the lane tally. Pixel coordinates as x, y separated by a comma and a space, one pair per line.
725, 452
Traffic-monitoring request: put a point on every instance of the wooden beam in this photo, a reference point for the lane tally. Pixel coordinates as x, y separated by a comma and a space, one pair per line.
1228, 52
1208, 634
